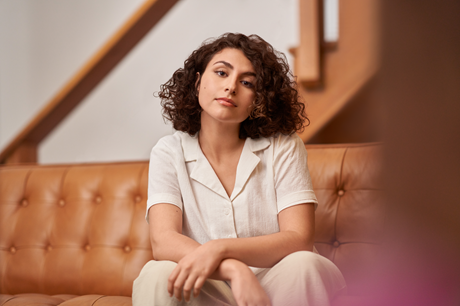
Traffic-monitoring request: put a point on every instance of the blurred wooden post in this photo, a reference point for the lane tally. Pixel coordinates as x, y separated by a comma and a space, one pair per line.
419, 89
307, 64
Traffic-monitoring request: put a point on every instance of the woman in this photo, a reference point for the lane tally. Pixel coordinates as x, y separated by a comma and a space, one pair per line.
231, 205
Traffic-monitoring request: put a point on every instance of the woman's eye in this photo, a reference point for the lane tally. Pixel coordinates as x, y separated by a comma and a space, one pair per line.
221, 73
247, 84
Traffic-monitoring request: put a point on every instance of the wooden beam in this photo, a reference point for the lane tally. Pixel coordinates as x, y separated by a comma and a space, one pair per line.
89, 76
25, 153
307, 64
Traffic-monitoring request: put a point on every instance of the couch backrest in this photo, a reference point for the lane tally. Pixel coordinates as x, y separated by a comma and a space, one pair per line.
76, 229
80, 229
350, 215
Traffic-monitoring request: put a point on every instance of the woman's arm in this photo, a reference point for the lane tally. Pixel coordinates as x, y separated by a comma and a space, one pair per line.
297, 226
196, 264
165, 225
296, 234
222, 258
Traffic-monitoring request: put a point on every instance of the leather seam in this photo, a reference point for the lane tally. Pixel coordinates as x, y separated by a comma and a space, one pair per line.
350, 242
88, 229
357, 189
11, 298
95, 301
24, 188
44, 262
340, 185
139, 179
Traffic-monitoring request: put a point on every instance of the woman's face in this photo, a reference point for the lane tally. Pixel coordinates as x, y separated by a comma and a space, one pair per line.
227, 87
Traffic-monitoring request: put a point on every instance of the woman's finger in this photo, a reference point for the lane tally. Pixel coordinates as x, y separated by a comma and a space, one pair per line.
179, 284
198, 285
188, 287
172, 279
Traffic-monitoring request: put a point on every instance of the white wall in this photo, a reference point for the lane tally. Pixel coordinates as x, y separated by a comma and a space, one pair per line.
43, 43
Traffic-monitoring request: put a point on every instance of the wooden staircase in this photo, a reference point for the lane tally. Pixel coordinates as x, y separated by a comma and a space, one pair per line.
23, 148
329, 76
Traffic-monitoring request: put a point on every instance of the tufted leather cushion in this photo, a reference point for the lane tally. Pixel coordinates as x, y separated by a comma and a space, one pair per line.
350, 215
79, 230
73, 229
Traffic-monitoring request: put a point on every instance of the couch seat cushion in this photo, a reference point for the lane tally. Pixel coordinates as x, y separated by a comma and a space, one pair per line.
34, 299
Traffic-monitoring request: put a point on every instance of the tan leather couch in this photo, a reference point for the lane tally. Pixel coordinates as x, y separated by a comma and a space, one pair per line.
76, 234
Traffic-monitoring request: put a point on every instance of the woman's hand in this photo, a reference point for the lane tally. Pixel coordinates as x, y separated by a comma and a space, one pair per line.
193, 269
246, 288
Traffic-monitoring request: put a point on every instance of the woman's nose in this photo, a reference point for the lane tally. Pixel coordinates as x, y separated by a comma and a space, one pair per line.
231, 86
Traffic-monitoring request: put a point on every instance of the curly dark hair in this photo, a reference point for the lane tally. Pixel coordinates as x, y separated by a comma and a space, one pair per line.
276, 109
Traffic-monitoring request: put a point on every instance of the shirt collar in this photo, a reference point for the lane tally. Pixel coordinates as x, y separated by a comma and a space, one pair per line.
191, 146
203, 173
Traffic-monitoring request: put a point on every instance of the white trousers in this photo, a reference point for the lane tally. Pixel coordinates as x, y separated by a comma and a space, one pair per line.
301, 278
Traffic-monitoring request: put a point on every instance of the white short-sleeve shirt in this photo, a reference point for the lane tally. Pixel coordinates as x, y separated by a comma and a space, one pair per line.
272, 175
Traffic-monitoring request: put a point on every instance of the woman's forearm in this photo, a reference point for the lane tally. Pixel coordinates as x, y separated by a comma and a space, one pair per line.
263, 251
172, 246
297, 231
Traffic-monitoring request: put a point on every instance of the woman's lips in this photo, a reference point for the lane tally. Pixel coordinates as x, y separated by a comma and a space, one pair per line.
226, 102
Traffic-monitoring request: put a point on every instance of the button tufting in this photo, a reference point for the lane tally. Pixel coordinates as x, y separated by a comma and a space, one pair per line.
13, 250
341, 193
24, 202
49, 248
336, 244
61, 202
138, 199
127, 249
98, 199
87, 247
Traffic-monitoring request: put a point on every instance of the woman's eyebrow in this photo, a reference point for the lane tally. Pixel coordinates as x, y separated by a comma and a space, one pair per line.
227, 64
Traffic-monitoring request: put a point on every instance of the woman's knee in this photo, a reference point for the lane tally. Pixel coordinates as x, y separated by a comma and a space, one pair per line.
154, 272
159, 268
301, 258
305, 262
150, 287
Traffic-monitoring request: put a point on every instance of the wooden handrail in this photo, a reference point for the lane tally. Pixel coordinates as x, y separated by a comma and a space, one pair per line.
20, 149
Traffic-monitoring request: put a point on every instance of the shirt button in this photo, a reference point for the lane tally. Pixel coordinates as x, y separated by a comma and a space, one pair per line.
227, 211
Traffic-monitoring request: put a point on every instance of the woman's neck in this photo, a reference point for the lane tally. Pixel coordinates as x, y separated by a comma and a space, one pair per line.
219, 140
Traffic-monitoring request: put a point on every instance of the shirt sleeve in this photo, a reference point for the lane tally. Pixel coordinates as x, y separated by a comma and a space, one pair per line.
163, 186
292, 178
